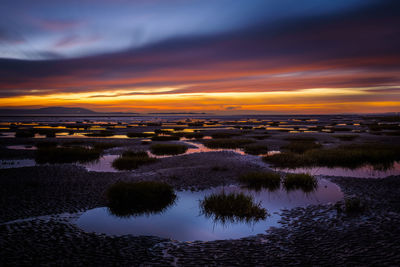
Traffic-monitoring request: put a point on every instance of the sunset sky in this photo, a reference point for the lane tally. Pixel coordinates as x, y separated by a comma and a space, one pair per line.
219, 56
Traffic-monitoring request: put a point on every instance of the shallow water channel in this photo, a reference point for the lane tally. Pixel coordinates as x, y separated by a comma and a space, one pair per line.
184, 221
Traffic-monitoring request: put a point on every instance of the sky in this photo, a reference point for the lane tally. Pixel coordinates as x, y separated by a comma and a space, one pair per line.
217, 56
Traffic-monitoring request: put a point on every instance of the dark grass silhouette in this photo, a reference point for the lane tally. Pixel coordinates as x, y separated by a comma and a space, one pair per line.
130, 160
137, 198
232, 207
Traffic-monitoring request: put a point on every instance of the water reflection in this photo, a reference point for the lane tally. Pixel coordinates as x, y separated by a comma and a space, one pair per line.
230, 208
184, 220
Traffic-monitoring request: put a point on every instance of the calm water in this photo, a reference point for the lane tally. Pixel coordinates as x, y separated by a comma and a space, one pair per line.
184, 221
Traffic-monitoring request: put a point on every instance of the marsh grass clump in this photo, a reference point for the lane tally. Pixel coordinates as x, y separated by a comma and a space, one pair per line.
232, 207
227, 143
136, 198
24, 134
301, 146
168, 149
102, 133
130, 160
259, 180
255, 149
346, 137
165, 138
353, 156
303, 181
66, 155
347, 156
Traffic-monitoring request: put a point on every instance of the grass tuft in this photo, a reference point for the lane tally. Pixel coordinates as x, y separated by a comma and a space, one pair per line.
132, 199
130, 160
232, 207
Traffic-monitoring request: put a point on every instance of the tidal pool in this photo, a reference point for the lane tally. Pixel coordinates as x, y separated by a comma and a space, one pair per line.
184, 220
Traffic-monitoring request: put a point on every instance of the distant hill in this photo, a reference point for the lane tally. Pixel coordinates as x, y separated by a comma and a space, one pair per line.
48, 111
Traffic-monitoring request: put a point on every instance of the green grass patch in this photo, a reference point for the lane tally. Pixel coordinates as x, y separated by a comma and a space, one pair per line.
66, 155
168, 149
255, 149
303, 181
132, 199
130, 160
232, 207
227, 143
259, 180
